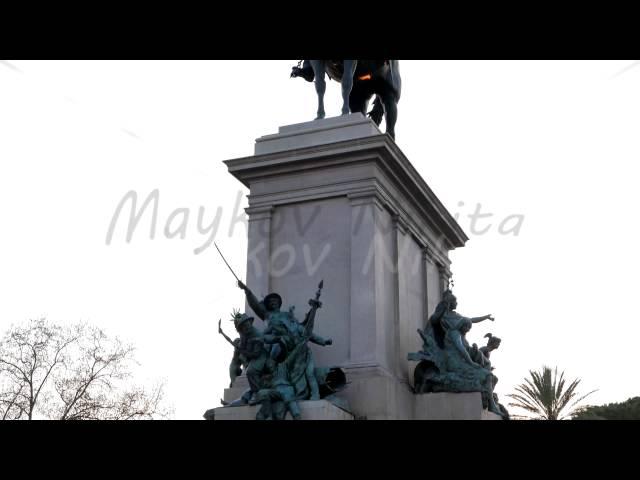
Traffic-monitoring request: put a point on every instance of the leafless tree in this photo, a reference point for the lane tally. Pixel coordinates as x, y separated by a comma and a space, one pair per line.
71, 373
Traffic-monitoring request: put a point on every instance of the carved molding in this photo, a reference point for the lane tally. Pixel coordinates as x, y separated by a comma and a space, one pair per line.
260, 213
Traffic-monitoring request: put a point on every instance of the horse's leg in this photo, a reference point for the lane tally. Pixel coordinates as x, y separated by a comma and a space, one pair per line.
390, 113
321, 85
347, 83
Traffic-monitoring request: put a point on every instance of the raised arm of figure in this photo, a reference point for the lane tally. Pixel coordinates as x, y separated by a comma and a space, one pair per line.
221, 332
482, 319
254, 303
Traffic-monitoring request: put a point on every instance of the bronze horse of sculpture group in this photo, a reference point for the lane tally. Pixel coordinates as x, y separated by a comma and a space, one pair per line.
361, 80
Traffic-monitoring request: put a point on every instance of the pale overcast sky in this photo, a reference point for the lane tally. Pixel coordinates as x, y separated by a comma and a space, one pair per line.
556, 142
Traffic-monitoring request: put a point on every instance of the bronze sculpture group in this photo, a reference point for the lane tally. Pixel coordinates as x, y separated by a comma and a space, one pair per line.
277, 361
280, 369
447, 363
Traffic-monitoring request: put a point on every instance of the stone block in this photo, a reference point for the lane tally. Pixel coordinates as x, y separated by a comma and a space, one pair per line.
451, 406
309, 410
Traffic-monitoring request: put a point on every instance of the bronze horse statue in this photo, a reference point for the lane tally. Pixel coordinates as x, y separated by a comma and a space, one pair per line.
361, 80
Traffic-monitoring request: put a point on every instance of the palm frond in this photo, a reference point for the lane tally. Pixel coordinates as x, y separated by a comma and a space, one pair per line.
545, 394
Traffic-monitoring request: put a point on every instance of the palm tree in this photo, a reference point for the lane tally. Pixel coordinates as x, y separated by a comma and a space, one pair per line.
544, 395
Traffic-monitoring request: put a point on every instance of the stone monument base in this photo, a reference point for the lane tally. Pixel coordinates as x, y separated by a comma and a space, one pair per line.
373, 397
310, 410
451, 406
374, 393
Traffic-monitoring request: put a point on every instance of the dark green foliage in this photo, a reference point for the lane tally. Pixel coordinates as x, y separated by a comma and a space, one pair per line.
627, 410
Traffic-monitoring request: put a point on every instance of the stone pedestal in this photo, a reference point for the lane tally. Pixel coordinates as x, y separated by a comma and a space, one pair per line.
336, 199
451, 406
309, 410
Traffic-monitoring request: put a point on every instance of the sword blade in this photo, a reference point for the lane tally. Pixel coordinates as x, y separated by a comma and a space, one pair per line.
225, 262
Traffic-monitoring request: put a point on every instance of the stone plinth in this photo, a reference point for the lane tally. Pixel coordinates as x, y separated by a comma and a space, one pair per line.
451, 406
309, 134
240, 385
309, 410
337, 200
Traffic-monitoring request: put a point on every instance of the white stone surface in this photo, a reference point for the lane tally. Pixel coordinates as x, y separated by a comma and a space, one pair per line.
240, 385
231, 394
376, 394
309, 410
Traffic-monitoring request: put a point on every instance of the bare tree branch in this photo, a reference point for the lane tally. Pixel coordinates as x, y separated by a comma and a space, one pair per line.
71, 373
